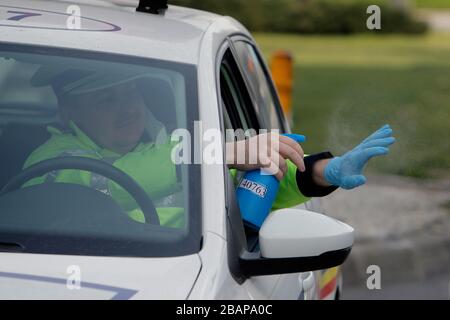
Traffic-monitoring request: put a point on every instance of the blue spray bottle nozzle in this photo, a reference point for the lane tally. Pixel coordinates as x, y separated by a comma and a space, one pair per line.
297, 137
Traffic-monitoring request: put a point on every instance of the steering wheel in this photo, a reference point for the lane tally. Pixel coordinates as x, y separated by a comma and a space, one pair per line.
92, 165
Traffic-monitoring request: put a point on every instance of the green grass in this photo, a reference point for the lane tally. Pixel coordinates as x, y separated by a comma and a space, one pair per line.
346, 87
432, 3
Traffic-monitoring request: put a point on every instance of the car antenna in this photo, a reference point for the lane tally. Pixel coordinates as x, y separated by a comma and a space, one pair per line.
152, 6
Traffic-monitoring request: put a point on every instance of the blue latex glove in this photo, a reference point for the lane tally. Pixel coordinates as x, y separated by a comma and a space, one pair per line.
346, 171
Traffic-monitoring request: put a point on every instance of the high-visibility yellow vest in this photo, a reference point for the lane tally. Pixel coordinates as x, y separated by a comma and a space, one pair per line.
148, 164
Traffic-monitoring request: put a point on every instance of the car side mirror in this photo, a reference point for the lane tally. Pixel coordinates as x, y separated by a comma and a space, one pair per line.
294, 240
291, 233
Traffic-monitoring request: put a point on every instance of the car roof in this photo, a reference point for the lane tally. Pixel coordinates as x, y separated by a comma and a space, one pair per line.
175, 35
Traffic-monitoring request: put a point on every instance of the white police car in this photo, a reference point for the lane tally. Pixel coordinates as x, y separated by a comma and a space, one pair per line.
68, 241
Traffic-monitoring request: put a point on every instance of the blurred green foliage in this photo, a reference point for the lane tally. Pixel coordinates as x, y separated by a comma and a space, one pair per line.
433, 3
310, 16
346, 87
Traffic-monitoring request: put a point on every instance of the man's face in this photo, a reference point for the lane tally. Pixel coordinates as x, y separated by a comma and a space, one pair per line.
114, 117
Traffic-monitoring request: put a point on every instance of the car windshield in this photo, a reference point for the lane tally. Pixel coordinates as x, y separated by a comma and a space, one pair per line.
87, 154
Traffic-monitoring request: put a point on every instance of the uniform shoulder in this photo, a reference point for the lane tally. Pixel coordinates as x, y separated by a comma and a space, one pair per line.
58, 143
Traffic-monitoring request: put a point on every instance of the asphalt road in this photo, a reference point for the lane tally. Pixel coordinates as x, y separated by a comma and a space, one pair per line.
404, 229
435, 288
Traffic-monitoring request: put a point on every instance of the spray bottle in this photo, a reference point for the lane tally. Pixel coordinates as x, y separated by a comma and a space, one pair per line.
256, 193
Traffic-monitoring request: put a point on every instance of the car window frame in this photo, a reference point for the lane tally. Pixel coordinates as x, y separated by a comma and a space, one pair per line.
283, 124
246, 107
239, 237
235, 232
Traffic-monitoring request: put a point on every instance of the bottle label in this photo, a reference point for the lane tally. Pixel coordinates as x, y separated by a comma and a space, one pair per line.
258, 189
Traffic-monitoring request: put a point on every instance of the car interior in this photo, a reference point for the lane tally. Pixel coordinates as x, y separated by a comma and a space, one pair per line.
23, 126
56, 207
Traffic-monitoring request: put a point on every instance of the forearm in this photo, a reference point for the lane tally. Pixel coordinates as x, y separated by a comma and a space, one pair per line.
312, 182
318, 173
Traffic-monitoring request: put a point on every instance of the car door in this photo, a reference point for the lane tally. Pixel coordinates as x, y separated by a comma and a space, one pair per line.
240, 111
266, 105
236, 107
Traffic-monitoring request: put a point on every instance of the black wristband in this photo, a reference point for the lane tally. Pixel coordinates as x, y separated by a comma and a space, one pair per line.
305, 181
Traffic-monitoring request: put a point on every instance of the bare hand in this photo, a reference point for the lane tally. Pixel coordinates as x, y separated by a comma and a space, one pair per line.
268, 151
